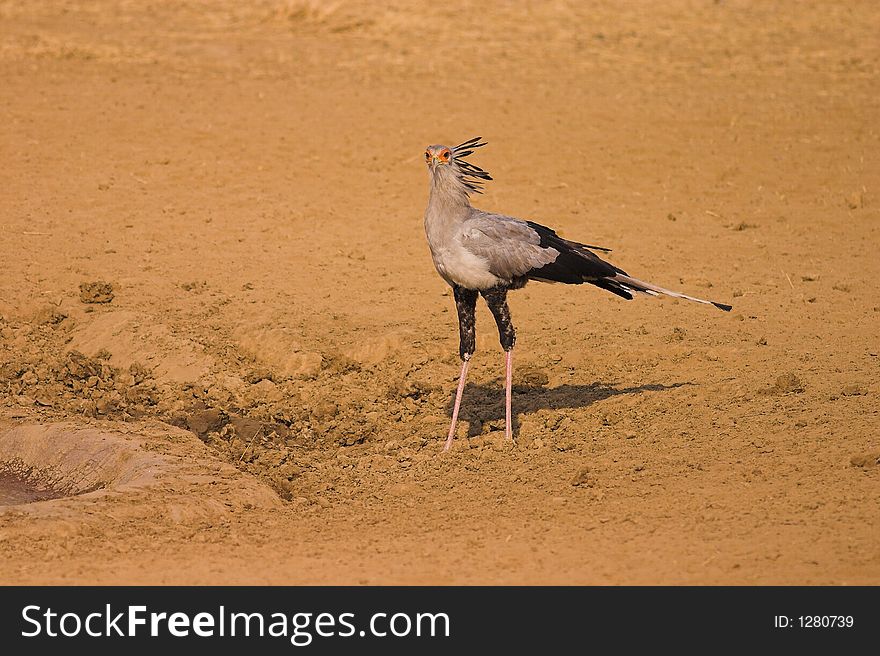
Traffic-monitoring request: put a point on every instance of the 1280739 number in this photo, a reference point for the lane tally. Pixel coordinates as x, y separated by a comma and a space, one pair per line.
825, 621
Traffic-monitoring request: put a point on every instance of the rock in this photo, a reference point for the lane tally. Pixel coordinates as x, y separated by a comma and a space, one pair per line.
265, 387
88, 408
44, 398
583, 478
276, 430
48, 316
564, 444
787, 384
287, 489
96, 292
533, 376
245, 428
351, 439
202, 422
324, 410
853, 390
255, 376
492, 426
219, 395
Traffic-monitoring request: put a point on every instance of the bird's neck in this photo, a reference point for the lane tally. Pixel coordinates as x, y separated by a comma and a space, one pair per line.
448, 194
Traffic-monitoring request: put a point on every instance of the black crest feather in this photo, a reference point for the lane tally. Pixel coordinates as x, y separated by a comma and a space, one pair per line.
471, 175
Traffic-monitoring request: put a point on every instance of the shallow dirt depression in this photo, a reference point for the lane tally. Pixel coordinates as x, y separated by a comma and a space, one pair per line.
39, 463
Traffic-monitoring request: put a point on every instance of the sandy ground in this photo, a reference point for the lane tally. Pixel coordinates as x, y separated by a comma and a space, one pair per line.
247, 177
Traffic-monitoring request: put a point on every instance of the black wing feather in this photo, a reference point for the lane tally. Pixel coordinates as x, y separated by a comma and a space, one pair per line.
575, 264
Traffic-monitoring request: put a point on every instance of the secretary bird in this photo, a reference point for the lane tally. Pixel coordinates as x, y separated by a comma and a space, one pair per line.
487, 254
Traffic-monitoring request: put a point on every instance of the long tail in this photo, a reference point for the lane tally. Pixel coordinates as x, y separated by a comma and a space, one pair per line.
639, 286
576, 265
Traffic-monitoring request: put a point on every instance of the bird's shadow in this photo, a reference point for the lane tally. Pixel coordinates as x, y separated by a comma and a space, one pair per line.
485, 403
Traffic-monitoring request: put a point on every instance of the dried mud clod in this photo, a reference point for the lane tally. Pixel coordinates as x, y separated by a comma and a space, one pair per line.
583, 478
853, 389
787, 384
77, 384
96, 292
533, 377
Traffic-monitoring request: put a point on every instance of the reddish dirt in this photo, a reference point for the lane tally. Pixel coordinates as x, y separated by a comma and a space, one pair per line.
212, 221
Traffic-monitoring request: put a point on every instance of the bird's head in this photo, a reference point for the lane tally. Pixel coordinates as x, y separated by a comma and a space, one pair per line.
438, 155
448, 166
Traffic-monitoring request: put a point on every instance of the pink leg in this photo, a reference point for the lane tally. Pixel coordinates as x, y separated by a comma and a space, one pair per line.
458, 393
508, 415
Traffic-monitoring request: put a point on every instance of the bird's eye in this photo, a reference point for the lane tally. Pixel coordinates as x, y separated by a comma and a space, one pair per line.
427, 155
444, 154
